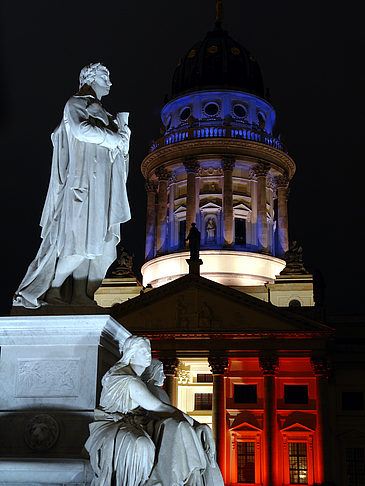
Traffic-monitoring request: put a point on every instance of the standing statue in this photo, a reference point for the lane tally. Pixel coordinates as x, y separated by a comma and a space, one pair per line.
137, 439
86, 199
210, 227
194, 242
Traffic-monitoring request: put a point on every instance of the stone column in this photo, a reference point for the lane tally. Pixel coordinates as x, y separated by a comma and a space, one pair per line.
171, 229
161, 229
170, 385
227, 166
321, 369
151, 188
192, 167
260, 171
269, 366
218, 366
283, 193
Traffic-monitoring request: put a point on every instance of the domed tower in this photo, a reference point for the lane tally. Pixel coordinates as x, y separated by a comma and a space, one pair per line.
219, 164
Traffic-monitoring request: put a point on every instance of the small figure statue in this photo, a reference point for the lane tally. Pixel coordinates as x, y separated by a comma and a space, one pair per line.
210, 228
194, 242
294, 260
138, 439
86, 199
125, 267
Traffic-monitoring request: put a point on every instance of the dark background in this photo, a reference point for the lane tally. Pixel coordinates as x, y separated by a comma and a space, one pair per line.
311, 59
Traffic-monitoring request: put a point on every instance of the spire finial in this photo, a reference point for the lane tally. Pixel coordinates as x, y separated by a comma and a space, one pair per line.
219, 12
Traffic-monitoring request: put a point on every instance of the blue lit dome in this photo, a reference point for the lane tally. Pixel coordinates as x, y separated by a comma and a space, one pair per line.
217, 61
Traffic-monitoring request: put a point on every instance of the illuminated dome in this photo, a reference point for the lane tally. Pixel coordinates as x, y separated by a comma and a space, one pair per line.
218, 61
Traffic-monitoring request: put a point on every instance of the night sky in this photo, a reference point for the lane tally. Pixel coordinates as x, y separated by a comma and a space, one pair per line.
310, 60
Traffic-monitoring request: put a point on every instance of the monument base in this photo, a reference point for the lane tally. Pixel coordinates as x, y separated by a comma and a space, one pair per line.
50, 383
42, 472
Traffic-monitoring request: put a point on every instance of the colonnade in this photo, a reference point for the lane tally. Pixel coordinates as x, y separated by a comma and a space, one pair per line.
161, 196
269, 365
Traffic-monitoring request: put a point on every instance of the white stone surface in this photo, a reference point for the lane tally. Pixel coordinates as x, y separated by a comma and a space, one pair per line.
86, 201
55, 360
232, 268
47, 472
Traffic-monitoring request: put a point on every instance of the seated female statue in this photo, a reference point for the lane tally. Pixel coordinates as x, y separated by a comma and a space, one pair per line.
139, 440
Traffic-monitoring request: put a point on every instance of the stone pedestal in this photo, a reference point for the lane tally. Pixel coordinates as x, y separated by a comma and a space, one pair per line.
50, 383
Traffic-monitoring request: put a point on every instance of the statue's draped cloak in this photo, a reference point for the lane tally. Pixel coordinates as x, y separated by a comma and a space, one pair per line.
86, 199
141, 447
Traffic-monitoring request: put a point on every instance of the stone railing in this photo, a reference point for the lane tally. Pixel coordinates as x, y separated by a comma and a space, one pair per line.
244, 133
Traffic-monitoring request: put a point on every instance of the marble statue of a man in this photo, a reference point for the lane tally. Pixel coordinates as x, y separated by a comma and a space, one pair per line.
86, 199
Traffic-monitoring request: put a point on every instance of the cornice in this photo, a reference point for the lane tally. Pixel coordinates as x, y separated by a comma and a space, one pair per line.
177, 152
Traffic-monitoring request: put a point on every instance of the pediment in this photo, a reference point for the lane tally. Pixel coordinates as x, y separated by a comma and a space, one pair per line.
180, 209
245, 421
210, 205
245, 427
297, 427
241, 207
194, 304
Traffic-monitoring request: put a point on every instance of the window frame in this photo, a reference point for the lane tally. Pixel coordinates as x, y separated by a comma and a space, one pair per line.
246, 436
298, 437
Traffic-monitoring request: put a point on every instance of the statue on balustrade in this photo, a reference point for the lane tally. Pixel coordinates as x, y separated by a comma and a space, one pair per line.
86, 199
138, 438
194, 242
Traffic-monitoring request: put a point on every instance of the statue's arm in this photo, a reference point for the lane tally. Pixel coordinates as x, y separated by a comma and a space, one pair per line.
145, 399
77, 116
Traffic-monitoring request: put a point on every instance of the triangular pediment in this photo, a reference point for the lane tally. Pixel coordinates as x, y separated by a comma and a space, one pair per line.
245, 427
180, 209
194, 304
210, 205
297, 427
241, 207
245, 421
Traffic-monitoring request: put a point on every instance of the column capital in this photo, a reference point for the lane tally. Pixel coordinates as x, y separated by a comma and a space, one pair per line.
228, 162
269, 364
321, 366
218, 364
281, 181
162, 173
169, 365
191, 165
260, 170
150, 186
172, 178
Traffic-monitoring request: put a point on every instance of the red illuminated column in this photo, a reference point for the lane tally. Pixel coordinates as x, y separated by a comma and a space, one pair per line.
151, 188
321, 369
227, 166
170, 385
192, 167
260, 171
283, 192
218, 365
161, 233
269, 366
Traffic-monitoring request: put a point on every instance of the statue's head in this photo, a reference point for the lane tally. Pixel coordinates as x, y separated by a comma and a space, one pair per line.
136, 350
97, 76
154, 373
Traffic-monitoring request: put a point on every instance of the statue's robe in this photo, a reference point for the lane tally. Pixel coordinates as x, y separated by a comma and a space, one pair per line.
86, 199
138, 447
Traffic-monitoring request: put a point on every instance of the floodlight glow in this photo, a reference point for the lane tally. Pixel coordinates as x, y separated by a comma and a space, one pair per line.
232, 268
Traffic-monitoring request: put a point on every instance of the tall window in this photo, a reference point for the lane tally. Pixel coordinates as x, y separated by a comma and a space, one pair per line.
298, 463
203, 401
246, 462
240, 231
182, 233
355, 463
